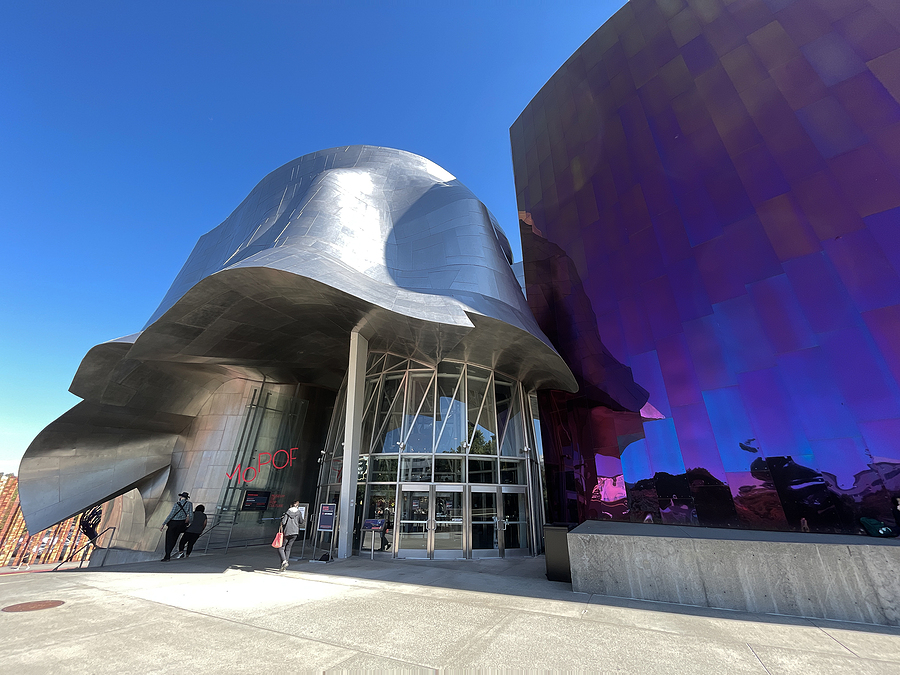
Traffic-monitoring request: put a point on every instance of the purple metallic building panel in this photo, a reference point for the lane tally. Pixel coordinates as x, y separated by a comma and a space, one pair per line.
709, 196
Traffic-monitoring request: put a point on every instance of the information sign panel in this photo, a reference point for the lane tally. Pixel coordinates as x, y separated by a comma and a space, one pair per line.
255, 500
373, 524
326, 517
304, 509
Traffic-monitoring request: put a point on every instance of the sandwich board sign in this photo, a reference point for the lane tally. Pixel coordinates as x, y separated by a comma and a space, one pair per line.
326, 517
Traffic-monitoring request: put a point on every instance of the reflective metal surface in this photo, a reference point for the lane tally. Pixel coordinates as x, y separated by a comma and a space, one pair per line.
357, 237
710, 201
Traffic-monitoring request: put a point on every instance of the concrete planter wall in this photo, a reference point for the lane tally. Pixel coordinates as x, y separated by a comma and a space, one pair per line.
810, 575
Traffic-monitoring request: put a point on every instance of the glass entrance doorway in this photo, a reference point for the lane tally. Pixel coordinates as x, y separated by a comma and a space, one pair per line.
442, 521
447, 459
499, 521
431, 522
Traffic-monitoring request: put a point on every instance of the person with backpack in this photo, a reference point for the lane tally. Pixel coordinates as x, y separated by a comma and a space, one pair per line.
177, 522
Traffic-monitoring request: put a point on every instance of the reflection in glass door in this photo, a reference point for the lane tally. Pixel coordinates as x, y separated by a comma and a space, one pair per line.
412, 523
431, 522
483, 512
499, 521
447, 523
451, 521
515, 523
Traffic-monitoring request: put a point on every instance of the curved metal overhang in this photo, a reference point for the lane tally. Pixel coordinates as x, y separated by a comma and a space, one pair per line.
350, 258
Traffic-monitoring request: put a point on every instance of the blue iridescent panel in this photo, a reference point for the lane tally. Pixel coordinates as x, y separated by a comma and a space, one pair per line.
709, 200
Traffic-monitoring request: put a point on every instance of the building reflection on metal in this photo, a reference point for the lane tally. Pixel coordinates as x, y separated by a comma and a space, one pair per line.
355, 238
713, 191
20, 548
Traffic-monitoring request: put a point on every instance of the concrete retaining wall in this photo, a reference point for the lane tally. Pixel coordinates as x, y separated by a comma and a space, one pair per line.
120, 556
819, 576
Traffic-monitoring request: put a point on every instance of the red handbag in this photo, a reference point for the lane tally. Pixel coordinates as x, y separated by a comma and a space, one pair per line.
278, 542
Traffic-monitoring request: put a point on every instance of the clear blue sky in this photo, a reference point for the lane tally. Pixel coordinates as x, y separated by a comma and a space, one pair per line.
129, 129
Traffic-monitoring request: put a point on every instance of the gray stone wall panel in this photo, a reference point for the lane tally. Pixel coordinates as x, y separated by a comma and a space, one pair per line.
814, 576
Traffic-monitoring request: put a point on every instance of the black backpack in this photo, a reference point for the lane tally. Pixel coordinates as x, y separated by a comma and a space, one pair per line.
875, 528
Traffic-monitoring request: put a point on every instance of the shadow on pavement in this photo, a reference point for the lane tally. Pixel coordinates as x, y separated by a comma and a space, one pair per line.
522, 577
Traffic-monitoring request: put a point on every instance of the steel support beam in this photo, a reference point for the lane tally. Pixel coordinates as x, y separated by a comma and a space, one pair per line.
356, 380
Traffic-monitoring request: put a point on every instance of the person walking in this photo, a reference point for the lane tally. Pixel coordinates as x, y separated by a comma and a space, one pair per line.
386, 515
193, 532
176, 522
291, 524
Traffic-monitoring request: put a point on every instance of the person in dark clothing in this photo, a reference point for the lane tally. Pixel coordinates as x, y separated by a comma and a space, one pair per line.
292, 522
177, 522
386, 515
193, 532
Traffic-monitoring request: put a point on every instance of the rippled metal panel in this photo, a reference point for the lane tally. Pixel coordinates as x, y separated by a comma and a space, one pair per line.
710, 196
359, 237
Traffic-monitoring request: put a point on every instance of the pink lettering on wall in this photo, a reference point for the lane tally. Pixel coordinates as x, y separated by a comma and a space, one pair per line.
263, 459
287, 459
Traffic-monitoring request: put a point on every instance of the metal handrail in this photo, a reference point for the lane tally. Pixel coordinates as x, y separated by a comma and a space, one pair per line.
220, 520
205, 532
90, 542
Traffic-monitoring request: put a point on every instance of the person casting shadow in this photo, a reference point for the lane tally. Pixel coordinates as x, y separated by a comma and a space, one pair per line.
176, 522
386, 515
193, 532
290, 525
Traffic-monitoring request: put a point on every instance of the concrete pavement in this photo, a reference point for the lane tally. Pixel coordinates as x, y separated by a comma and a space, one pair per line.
235, 613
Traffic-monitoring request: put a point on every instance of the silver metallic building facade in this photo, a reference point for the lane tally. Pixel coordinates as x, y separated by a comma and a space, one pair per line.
332, 257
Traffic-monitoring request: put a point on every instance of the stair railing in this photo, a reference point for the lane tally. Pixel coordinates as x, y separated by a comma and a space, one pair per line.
90, 542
